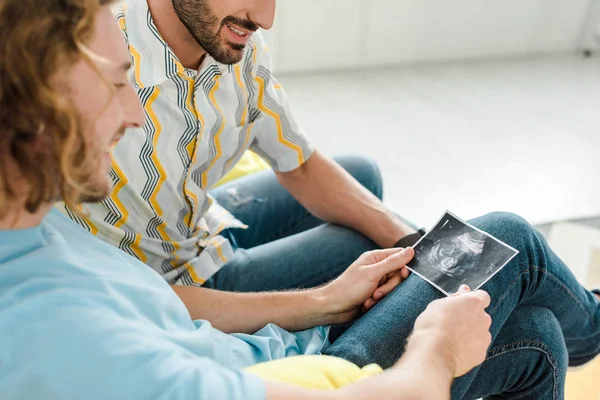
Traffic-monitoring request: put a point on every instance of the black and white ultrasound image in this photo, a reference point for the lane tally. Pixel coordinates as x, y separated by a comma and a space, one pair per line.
454, 253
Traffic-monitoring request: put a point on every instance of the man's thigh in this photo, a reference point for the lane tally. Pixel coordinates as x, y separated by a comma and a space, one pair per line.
304, 260
271, 212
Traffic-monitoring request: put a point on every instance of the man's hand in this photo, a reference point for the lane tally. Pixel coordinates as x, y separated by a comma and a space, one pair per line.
365, 283
457, 330
386, 285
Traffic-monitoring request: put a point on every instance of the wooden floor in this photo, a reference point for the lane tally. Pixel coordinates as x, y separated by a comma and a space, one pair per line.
584, 384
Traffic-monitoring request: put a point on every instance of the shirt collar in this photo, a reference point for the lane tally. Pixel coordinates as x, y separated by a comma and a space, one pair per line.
154, 61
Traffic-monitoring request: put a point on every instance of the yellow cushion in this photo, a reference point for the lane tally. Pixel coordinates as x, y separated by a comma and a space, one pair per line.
314, 372
324, 372
250, 163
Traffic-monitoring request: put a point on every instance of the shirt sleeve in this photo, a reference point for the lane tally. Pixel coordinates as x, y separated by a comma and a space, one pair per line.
77, 352
280, 139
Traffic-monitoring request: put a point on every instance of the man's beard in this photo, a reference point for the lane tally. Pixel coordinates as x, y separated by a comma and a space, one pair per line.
204, 26
98, 195
97, 189
96, 186
89, 189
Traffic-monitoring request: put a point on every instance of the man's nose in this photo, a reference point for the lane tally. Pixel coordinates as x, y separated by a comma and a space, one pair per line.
134, 113
263, 13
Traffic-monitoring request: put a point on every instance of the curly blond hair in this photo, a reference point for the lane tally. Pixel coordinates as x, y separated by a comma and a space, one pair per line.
40, 131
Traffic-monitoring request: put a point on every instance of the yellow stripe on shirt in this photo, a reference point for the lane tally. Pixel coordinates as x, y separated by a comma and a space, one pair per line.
217, 138
135, 247
189, 195
115, 195
193, 275
277, 118
192, 151
238, 76
137, 65
121, 21
78, 209
243, 148
217, 247
162, 175
93, 228
180, 67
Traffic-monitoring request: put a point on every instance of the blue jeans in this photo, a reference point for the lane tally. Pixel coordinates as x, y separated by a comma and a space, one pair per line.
285, 247
542, 318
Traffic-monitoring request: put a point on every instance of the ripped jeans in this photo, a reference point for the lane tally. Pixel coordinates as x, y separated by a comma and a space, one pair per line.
543, 319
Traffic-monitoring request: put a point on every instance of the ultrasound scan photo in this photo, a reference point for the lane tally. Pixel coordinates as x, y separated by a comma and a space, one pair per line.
454, 253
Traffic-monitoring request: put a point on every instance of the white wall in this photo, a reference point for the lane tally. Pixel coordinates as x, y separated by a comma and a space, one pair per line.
328, 34
591, 35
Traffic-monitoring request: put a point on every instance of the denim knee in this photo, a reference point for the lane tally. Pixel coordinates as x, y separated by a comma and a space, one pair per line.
365, 171
507, 227
543, 326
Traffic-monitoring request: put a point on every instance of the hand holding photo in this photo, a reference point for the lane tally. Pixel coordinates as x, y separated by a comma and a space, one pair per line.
455, 253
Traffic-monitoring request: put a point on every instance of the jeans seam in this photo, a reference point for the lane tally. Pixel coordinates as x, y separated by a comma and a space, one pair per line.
529, 345
562, 285
553, 278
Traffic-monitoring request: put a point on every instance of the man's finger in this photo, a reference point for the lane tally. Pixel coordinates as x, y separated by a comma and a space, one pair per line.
405, 273
381, 255
386, 289
394, 262
383, 280
369, 303
462, 290
485, 297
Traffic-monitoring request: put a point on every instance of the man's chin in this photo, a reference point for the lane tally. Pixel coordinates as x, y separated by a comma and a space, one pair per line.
93, 198
229, 53
96, 196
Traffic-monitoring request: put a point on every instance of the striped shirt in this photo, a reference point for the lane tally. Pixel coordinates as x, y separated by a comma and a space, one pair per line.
198, 125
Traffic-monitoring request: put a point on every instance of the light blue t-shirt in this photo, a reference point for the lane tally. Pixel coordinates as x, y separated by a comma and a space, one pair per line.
79, 319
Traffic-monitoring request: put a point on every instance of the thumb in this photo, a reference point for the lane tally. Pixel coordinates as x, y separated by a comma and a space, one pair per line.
462, 290
394, 262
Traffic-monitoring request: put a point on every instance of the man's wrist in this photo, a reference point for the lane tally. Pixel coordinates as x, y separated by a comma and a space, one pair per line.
429, 350
333, 307
410, 240
318, 306
427, 369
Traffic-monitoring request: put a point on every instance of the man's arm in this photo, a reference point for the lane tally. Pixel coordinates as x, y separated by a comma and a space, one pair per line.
331, 194
336, 303
321, 186
250, 312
